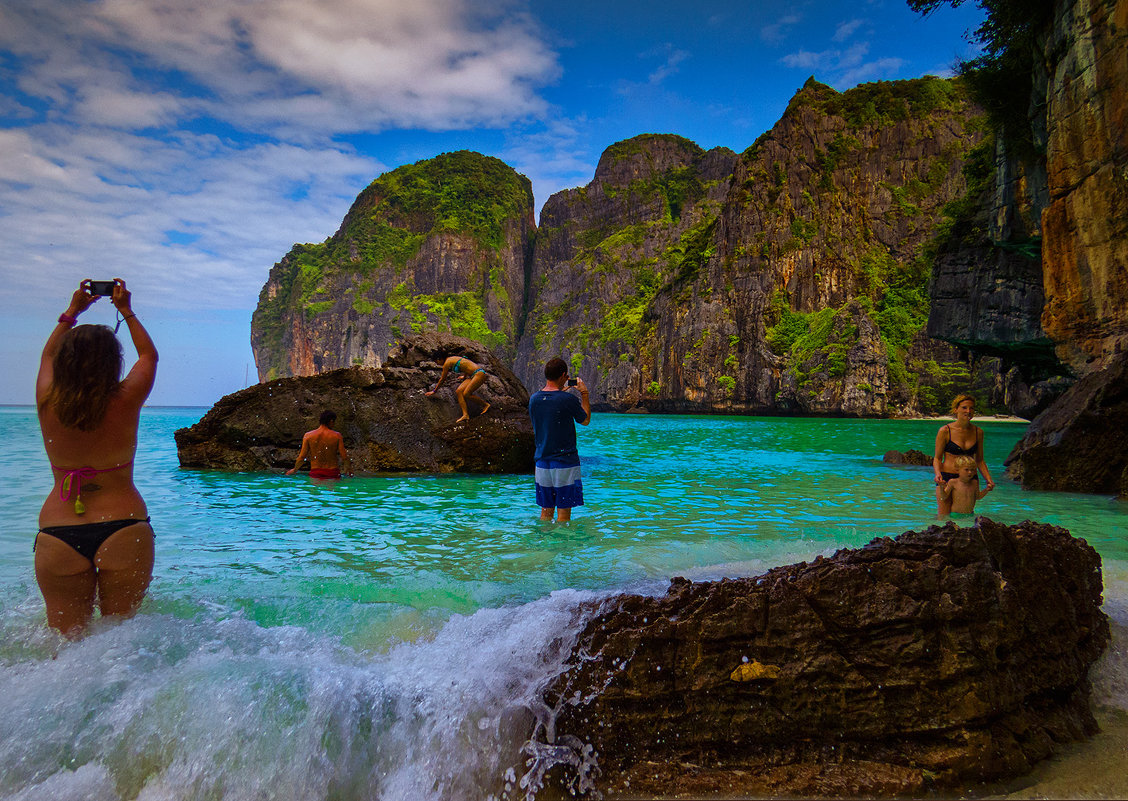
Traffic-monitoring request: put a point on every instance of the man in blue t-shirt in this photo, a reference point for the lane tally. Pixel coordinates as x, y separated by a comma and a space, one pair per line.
555, 412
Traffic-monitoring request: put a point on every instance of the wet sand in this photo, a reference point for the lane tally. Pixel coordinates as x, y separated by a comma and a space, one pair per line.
1093, 769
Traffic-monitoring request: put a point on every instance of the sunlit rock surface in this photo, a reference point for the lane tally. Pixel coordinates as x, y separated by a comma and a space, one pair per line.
1085, 226
436, 245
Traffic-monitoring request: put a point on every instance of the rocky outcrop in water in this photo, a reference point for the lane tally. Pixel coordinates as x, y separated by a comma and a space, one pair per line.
439, 245
909, 457
1080, 444
388, 424
933, 661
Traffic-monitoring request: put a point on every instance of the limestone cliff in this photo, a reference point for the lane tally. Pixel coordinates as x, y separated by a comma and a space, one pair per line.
1034, 266
794, 284
605, 251
1085, 225
436, 245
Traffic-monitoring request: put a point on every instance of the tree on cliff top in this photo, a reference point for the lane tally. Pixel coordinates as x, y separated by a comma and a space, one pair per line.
1002, 79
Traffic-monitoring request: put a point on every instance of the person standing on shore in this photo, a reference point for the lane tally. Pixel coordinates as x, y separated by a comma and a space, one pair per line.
555, 410
94, 539
325, 449
959, 438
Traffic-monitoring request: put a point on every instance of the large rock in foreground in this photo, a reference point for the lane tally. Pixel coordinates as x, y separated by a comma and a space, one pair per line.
1079, 444
386, 420
937, 660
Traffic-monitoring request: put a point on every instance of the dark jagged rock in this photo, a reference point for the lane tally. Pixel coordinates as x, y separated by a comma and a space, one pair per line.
1079, 444
986, 288
933, 661
910, 456
387, 422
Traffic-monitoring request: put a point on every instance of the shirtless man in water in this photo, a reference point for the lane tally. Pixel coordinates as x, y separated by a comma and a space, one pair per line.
323, 447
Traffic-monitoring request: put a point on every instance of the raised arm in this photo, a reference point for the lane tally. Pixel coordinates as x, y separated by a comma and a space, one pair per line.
139, 382
585, 401
80, 302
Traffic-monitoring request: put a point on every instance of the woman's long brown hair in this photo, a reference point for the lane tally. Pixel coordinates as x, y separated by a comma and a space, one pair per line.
87, 372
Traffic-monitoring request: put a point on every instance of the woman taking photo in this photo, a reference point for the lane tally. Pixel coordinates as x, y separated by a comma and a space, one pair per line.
958, 438
94, 539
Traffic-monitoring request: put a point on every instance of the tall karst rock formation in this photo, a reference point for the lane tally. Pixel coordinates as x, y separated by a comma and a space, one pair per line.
1084, 93
1034, 265
606, 251
441, 244
792, 278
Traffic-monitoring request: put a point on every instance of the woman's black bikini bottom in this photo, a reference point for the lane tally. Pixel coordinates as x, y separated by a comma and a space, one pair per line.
87, 538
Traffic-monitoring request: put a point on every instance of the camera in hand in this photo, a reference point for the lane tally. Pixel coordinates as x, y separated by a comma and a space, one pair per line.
572, 382
105, 288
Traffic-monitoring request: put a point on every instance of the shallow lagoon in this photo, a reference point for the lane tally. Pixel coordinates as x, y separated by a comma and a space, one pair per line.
373, 637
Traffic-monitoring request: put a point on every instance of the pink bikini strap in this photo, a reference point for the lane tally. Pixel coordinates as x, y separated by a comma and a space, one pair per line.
72, 479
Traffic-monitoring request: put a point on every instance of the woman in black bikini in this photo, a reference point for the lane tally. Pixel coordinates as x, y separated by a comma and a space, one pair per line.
94, 537
959, 438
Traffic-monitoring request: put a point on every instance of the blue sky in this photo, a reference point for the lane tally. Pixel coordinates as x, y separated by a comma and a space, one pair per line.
185, 146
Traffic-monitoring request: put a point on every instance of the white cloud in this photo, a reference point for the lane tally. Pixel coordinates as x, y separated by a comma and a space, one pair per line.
125, 108
845, 30
217, 122
869, 71
778, 30
670, 67
806, 60
844, 68
80, 203
375, 63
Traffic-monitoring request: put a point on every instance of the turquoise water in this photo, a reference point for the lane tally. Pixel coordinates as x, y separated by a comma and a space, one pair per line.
386, 637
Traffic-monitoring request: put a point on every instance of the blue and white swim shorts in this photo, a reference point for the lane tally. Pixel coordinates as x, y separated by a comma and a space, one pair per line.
558, 484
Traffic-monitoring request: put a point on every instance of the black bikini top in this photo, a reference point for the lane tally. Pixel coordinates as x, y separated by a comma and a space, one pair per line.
956, 450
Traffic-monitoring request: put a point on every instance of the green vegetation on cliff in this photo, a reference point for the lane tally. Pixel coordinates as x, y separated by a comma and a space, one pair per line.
678, 187
477, 197
1002, 79
882, 102
460, 313
643, 145
462, 192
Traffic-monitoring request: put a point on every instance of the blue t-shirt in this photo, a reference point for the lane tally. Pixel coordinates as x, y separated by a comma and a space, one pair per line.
554, 416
